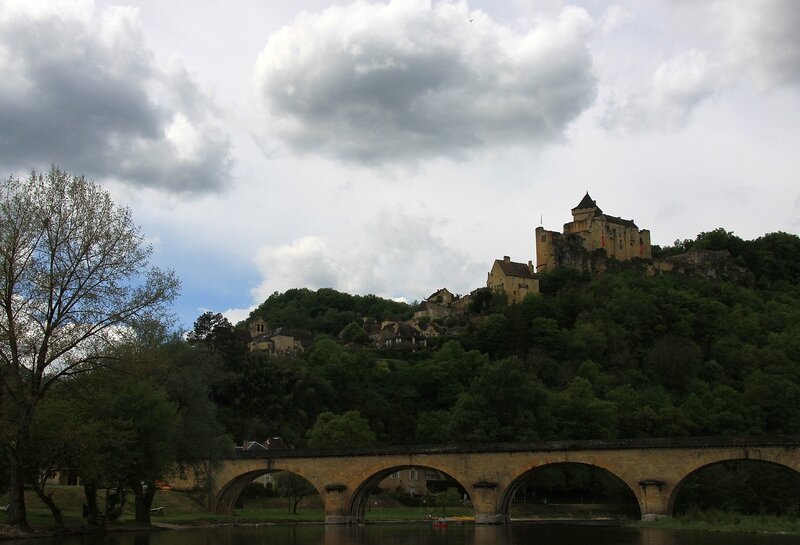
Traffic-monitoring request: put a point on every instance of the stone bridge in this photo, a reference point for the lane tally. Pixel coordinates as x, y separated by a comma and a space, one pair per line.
653, 469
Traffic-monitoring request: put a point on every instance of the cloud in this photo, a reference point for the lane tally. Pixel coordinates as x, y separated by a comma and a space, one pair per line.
614, 17
763, 39
677, 86
81, 90
404, 81
400, 256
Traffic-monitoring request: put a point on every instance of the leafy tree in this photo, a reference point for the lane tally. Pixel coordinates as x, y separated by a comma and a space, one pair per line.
353, 333
503, 403
262, 396
215, 332
449, 498
146, 413
739, 486
348, 430
492, 335
673, 361
293, 486
579, 414
186, 373
74, 270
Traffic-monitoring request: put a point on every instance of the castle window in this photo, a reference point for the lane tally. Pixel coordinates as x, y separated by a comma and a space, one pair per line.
412, 475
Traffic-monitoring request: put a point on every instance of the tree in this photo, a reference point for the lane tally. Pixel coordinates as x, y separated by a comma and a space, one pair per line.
353, 333
294, 487
74, 272
215, 332
503, 403
341, 431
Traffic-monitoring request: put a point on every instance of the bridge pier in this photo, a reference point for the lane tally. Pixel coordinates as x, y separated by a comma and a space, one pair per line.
486, 502
337, 506
653, 496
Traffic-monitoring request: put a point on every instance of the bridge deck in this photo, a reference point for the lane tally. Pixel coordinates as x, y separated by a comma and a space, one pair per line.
545, 446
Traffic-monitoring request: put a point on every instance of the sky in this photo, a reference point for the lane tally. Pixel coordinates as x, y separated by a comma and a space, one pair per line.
397, 147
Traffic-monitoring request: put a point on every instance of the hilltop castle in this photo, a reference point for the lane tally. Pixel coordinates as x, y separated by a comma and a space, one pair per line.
590, 229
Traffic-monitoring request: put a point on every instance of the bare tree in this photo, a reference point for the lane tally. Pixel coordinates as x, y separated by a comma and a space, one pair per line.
74, 278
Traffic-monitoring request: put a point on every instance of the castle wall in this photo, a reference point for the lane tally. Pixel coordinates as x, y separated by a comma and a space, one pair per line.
621, 241
646, 251
545, 249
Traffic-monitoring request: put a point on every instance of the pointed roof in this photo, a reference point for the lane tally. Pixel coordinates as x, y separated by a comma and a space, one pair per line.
586, 202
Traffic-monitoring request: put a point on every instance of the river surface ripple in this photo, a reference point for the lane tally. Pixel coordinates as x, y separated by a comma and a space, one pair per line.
419, 534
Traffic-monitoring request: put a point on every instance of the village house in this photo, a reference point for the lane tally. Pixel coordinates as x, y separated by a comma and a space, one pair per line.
399, 335
412, 480
278, 342
441, 304
514, 279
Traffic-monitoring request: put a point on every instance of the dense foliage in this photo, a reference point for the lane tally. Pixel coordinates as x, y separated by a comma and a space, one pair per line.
619, 355
326, 310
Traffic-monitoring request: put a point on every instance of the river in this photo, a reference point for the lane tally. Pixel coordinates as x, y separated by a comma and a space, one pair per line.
419, 534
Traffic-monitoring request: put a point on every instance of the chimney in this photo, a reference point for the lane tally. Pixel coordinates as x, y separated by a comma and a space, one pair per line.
506, 259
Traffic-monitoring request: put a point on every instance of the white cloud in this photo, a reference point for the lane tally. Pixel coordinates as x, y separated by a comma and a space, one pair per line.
763, 39
615, 16
677, 86
81, 90
400, 257
408, 80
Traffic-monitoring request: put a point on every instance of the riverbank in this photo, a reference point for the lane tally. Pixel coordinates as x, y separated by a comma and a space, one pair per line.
720, 521
182, 510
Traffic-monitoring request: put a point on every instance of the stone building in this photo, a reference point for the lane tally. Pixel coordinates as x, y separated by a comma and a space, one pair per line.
441, 304
412, 480
515, 279
278, 342
590, 229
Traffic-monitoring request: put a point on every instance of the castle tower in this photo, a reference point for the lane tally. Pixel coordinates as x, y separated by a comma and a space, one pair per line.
620, 238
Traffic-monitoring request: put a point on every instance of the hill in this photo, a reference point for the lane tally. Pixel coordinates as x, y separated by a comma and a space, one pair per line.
608, 356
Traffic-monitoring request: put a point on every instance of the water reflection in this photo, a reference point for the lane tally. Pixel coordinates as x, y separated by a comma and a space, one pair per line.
418, 534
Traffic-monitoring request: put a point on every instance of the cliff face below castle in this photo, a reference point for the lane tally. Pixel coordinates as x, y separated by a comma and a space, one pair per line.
709, 264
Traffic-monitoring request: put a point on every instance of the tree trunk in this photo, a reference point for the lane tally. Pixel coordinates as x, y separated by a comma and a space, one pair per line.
17, 457
115, 503
47, 499
90, 492
294, 501
143, 499
17, 513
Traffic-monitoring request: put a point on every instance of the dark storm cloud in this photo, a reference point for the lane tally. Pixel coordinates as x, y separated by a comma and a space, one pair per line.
80, 90
381, 83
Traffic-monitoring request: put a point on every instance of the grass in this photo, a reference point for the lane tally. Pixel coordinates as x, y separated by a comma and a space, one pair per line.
182, 508
722, 521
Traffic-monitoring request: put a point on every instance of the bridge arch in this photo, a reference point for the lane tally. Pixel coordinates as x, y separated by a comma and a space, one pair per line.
360, 496
507, 495
232, 484
676, 490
